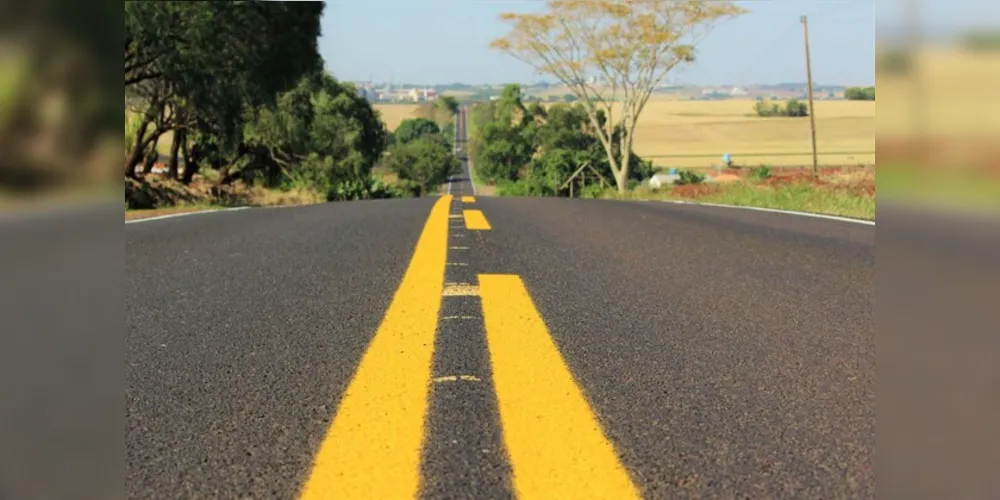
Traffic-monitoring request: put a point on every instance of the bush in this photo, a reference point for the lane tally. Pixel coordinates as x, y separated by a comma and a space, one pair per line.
793, 107
860, 94
689, 177
427, 161
412, 129
592, 191
760, 173
372, 188
513, 188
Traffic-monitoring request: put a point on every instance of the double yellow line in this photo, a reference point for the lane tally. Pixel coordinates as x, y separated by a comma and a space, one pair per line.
555, 443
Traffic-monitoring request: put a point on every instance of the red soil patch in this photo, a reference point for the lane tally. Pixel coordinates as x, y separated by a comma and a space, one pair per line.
797, 177
694, 190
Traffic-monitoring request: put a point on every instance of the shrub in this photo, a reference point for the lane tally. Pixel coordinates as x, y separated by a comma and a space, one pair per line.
372, 188
793, 107
513, 188
760, 173
860, 94
689, 177
592, 191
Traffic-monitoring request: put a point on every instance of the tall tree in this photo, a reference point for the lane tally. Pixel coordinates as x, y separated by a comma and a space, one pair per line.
628, 47
214, 60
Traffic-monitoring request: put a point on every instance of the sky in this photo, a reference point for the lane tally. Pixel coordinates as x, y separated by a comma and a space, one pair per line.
445, 41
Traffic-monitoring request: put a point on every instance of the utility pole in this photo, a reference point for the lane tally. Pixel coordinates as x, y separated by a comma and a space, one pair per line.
809, 84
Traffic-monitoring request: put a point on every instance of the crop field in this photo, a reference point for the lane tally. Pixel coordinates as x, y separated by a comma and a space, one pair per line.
695, 134
394, 114
676, 133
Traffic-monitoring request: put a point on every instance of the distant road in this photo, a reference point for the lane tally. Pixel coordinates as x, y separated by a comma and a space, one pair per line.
475, 347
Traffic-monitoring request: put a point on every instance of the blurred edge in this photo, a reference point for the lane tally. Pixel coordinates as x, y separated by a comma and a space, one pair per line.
60, 117
936, 127
938, 284
61, 250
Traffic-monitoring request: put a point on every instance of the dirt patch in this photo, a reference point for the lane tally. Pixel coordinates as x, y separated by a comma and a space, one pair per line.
156, 192
726, 178
694, 190
798, 177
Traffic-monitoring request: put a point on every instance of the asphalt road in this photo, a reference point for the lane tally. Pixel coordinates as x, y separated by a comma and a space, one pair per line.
554, 347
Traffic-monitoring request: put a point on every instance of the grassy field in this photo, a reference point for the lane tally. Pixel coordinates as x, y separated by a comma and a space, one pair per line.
697, 133
848, 192
394, 114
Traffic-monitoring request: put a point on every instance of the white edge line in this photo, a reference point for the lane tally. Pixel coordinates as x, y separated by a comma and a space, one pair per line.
775, 211
468, 167
183, 214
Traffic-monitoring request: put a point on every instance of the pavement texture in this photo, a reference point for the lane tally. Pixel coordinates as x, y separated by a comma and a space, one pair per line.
582, 348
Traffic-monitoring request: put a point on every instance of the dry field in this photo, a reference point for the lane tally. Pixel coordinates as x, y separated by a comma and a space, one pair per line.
697, 133
682, 133
952, 93
394, 114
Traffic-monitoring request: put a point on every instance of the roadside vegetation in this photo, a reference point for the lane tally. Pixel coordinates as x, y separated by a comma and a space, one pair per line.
535, 151
216, 117
585, 149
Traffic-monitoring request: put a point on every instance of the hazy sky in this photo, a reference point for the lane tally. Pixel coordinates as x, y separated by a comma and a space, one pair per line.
442, 41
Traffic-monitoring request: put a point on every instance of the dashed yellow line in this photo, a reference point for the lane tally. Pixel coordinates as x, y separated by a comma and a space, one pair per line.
475, 220
372, 449
468, 199
556, 445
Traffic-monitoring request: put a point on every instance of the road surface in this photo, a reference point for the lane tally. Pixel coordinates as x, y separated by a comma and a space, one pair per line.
471, 347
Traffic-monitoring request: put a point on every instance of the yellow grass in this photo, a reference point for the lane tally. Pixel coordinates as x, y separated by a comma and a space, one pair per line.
394, 114
698, 133
955, 92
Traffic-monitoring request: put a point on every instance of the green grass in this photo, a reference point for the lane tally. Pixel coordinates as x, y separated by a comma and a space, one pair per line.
957, 187
797, 197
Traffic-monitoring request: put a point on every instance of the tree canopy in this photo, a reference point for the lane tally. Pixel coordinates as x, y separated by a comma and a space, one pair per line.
860, 94
426, 161
535, 150
411, 129
628, 47
196, 67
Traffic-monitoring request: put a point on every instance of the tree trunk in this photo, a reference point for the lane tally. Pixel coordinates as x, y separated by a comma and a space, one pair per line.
621, 178
140, 145
192, 161
189, 169
174, 147
152, 155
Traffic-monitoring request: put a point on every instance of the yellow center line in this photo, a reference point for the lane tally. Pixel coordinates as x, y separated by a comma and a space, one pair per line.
372, 449
475, 220
468, 199
556, 445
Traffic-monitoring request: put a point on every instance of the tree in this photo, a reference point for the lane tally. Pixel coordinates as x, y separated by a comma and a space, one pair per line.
792, 108
630, 46
205, 68
412, 129
316, 135
860, 94
426, 161
569, 98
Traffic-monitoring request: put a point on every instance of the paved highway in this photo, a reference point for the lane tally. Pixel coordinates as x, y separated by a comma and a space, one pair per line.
473, 347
